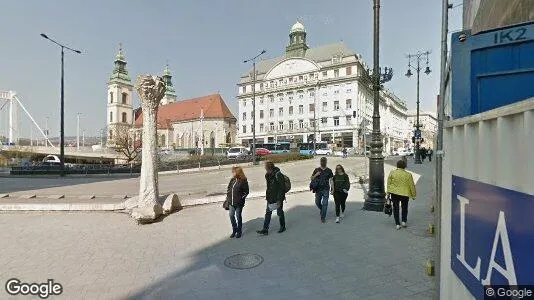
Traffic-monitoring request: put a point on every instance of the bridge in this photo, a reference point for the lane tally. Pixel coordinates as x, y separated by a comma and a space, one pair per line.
71, 153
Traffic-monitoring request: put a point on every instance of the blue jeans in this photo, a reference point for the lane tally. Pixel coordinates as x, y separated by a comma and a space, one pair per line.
281, 217
235, 214
321, 200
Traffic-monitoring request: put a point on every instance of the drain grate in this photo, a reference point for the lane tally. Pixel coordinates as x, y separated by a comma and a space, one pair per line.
243, 261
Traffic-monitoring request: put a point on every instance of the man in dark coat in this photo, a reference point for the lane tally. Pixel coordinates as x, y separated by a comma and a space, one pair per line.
275, 196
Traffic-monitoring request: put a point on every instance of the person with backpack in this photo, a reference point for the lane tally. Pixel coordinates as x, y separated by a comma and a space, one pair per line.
322, 185
275, 195
236, 194
341, 191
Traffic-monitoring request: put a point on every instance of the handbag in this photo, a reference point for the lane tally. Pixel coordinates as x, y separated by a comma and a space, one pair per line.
388, 210
226, 204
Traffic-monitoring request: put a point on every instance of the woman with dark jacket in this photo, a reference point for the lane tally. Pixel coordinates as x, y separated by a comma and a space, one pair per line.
341, 191
236, 194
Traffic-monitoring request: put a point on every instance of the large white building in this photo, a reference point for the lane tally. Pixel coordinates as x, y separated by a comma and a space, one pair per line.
328, 86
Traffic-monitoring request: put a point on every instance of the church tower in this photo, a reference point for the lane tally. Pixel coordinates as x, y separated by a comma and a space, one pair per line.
120, 101
170, 93
297, 41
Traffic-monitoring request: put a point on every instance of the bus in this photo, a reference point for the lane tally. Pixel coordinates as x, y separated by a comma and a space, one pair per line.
307, 148
275, 148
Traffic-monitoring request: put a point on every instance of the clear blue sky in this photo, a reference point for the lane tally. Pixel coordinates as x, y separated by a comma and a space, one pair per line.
205, 42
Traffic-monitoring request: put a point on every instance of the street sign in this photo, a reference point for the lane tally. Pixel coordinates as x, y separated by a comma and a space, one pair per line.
492, 232
417, 133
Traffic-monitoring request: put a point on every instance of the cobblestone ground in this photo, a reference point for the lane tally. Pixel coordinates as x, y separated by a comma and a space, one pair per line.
107, 256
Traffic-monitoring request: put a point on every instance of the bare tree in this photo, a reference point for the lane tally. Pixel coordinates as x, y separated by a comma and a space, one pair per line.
124, 141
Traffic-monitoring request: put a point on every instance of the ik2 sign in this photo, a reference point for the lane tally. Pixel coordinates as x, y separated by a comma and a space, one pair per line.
492, 232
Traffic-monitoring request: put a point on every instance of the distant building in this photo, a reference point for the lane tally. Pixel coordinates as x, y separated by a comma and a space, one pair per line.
482, 15
181, 124
324, 90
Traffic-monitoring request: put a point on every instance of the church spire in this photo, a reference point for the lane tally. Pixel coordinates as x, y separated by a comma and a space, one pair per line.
120, 74
297, 41
170, 93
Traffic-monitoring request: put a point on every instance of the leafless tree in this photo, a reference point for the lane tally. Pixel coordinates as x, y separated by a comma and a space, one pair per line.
125, 142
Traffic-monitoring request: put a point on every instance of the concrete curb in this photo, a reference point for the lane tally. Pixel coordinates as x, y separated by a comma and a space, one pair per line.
122, 205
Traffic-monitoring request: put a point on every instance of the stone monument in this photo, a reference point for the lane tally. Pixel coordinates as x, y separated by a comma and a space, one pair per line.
151, 90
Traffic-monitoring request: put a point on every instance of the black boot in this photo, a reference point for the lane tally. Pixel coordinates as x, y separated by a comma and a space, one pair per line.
238, 234
282, 229
233, 234
263, 232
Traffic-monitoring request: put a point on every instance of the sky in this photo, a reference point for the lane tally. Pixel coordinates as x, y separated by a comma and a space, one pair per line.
204, 42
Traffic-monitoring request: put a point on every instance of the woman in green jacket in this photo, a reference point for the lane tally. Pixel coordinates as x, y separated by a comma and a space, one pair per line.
401, 188
340, 191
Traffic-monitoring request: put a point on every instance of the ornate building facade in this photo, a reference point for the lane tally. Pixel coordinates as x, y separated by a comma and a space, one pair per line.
321, 92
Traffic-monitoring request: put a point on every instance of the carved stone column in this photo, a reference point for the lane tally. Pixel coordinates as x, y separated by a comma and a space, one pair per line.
151, 90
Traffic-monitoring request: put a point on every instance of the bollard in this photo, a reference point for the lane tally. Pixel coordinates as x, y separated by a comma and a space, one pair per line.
430, 267
431, 229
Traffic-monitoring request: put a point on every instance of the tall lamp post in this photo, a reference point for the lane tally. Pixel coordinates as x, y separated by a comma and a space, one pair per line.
253, 60
78, 131
417, 59
376, 196
62, 113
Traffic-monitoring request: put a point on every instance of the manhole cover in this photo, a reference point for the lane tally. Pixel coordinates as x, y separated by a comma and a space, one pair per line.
243, 261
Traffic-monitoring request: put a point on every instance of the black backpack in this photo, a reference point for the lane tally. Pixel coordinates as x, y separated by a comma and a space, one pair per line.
287, 183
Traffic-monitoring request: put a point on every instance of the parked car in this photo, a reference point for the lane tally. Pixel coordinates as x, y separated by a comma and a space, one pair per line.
262, 151
324, 151
51, 160
237, 153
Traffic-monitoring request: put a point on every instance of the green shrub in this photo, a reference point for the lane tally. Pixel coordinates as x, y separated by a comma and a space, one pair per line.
285, 157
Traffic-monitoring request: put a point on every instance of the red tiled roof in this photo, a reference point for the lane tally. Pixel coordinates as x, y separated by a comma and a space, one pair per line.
185, 110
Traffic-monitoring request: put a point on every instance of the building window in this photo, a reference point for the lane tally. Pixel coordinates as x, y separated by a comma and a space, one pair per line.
111, 134
336, 121
301, 95
290, 79
124, 117
325, 106
336, 92
301, 109
312, 93
312, 107
261, 101
324, 120
348, 70
271, 126
349, 118
261, 114
110, 117
244, 116
244, 89
110, 97
261, 86
325, 94
280, 125
281, 111
124, 98
244, 129
301, 124
336, 105
348, 104
325, 74
291, 125
301, 78
244, 102
336, 73
312, 123
261, 127
349, 90
291, 110
271, 113
271, 97
252, 128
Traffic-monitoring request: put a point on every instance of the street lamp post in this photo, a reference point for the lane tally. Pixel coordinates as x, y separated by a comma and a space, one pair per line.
78, 131
62, 110
376, 195
254, 162
417, 134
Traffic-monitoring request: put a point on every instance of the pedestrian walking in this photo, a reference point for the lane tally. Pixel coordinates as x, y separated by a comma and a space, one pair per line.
422, 153
341, 191
344, 151
236, 194
400, 189
322, 186
429, 153
275, 196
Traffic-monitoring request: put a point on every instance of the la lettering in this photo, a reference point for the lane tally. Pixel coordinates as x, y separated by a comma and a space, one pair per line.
501, 236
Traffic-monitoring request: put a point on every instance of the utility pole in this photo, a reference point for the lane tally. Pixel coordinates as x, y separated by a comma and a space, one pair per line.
202, 131
101, 138
83, 139
78, 131
253, 148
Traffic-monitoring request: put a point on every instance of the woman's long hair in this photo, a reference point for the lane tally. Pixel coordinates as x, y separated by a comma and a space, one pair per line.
239, 174
342, 169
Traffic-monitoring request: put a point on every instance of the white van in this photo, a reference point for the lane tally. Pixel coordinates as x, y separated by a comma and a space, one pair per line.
237, 153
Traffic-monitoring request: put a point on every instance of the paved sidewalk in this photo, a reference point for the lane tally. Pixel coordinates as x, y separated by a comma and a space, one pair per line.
107, 256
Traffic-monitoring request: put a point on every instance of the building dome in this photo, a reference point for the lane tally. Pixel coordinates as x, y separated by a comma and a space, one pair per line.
298, 27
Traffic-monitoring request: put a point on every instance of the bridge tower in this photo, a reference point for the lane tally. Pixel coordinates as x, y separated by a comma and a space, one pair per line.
120, 100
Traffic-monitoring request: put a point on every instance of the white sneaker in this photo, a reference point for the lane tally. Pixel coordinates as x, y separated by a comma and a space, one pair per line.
398, 227
337, 220
342, 216
403, 224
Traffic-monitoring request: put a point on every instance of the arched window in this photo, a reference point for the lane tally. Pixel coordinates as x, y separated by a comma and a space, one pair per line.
124, 98
110, 134
124, 118
110, 97
110, 117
